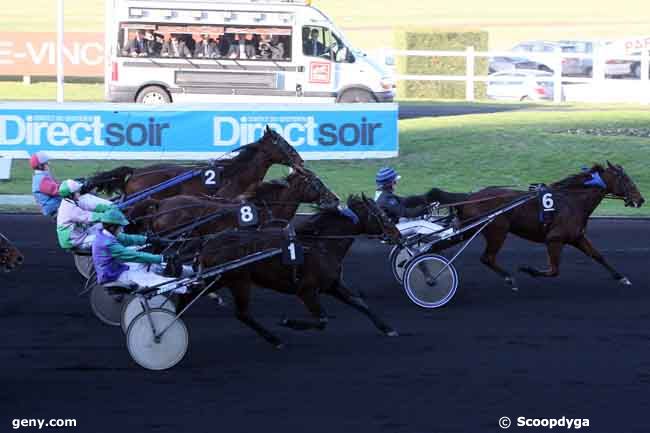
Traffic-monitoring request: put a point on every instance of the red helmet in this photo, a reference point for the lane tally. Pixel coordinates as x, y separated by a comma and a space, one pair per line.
38, 159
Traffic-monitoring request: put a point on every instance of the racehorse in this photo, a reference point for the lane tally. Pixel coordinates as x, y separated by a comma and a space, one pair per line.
246, 168
277, 200
326, 238
575, 197
10, 256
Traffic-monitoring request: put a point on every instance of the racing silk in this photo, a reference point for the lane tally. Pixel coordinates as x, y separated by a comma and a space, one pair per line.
46, 192
395, 208
74, 219
110, 253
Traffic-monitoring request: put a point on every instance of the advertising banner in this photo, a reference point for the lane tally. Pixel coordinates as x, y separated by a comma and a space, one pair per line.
34, 53
192, 131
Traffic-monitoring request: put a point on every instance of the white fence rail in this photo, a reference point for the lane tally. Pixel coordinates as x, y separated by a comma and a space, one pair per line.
636, 90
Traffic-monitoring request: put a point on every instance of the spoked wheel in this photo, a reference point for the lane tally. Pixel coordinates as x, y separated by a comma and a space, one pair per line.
152, 350
107, 306
84, 265
399, 258
430, 281
133, 308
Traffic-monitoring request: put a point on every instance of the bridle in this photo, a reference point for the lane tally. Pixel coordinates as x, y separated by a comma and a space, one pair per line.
379, 216
620, 175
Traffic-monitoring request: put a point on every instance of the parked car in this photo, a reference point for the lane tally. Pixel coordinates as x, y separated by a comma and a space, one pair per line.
502, 64
577, 67
536, 51
521, 84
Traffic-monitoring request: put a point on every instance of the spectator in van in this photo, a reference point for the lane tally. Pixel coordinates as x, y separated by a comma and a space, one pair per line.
242, 48
271, 48
312, 46
175, 48
138, 46
206, 48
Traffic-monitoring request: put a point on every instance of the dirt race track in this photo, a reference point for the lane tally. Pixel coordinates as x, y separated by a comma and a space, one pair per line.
577, 346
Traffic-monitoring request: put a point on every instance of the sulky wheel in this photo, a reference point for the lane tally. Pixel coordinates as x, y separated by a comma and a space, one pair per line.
84, 265
150, 349
430, 281
134, 307
399, 258
107, 306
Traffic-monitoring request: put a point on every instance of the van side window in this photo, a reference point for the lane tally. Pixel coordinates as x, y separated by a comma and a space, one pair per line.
314, 40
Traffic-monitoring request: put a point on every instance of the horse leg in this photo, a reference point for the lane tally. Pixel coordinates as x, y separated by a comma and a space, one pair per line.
340, 291
310, 297
241, 294
494, 239
585, 245
554, 250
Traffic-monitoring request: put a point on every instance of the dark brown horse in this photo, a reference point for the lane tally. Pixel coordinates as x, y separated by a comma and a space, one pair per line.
575, 198
278, 199
326, 238
10, 256
248, 167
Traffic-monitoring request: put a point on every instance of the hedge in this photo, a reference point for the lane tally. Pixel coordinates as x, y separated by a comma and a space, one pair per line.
439, 40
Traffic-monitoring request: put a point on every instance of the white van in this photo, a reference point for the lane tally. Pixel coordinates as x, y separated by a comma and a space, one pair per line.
165, 51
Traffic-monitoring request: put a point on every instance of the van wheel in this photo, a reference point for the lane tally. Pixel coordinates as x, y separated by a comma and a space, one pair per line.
357, 95
636, 71
153, 95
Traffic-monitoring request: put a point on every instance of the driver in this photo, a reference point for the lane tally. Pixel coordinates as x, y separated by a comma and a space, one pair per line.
45, 188
394, 205
114, 262
76, 221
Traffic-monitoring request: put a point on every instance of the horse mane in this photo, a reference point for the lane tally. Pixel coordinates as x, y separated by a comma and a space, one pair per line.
323, 217
578, 180
246, 155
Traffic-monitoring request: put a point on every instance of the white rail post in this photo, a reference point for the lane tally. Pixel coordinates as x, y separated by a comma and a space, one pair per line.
557, 75
645, 77
59, 50
469, 74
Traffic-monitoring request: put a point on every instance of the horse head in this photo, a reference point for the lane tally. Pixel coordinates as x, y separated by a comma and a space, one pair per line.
279, 150
372, 218
10, 256
306, 187
621, 185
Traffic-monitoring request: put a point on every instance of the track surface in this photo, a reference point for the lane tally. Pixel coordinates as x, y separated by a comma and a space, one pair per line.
577, 346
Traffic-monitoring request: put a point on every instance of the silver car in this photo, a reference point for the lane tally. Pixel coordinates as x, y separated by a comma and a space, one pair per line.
521, 85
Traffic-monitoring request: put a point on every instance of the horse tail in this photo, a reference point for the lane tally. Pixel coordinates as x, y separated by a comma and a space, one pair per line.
111, 181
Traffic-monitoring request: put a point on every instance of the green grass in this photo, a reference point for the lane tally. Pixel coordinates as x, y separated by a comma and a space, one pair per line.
370, 22
466, 153
47, 91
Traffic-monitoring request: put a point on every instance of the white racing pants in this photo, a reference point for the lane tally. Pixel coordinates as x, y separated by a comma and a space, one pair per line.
421, 227
145, 275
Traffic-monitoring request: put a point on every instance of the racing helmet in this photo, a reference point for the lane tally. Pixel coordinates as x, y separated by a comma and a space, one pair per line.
386, 176
114, 216
69, 187
38, 159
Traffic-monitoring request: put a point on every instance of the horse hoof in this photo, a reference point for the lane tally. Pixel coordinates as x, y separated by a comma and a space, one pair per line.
624, 281
392, 333
284, 322
514, 289
279, 346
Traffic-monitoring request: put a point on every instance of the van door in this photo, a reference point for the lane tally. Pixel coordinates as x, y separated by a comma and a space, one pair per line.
320, 77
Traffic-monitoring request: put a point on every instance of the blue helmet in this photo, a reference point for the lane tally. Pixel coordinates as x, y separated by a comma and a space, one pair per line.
386, 176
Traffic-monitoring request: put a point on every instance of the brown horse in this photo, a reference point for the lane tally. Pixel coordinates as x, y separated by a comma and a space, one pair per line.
575, 198
278, 199
248, 167
10, 256
326, 238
